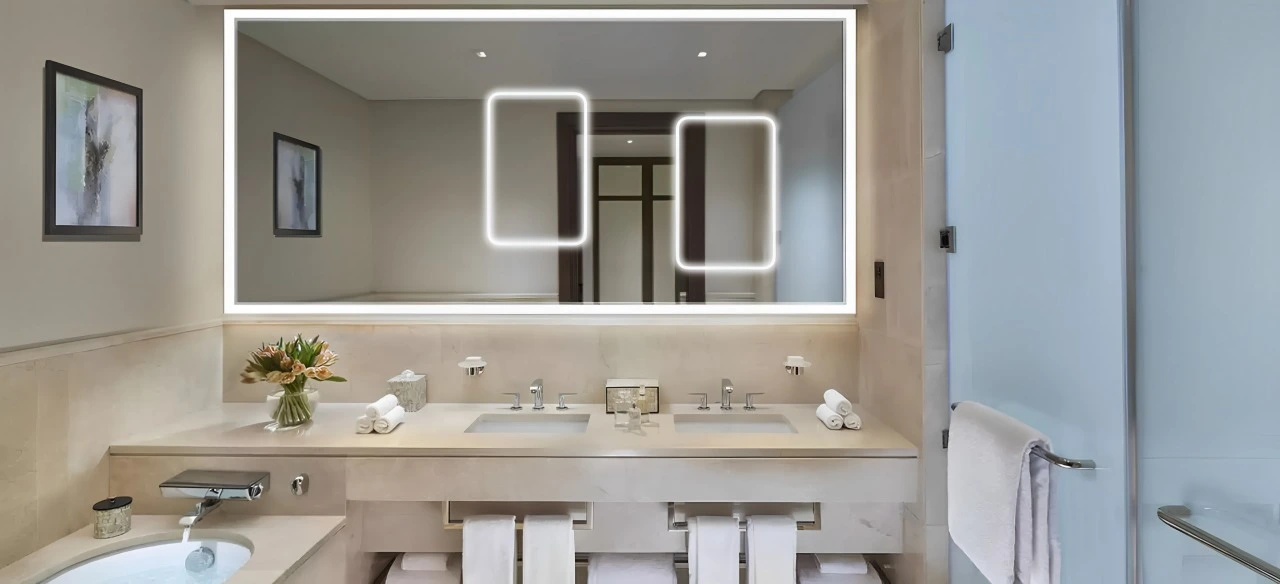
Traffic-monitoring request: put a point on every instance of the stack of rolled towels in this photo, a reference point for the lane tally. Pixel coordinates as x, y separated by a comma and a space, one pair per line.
836, 412
835, 569
381, 416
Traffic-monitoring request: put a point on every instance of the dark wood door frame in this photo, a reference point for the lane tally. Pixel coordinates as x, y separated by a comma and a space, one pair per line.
692, 189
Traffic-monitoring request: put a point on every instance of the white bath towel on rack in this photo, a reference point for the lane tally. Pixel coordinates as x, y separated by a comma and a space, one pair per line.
548, 549
999, 497
714, 544
771, 549
631, 569
489, 549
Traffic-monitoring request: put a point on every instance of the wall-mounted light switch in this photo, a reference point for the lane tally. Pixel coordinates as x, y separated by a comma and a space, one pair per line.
879, 279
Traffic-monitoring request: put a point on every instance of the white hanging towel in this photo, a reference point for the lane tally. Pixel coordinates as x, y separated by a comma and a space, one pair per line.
631, 569
489, 549
999, 497
548, 549
771, 549
713, 550
406, 570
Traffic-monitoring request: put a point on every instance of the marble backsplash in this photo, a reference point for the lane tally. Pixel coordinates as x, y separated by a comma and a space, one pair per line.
61, 411
570, 359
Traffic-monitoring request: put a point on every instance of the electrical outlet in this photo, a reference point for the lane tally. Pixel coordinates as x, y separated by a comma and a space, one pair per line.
879, 279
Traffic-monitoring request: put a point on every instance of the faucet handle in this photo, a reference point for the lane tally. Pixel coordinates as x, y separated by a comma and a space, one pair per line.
515, 400
561, 406
751, 406
703, 404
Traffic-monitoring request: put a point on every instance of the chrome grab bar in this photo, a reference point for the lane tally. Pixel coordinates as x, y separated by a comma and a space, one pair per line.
1059, 461
1177, 517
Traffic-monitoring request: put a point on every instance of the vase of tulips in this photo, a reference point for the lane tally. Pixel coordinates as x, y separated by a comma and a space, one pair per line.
291, 365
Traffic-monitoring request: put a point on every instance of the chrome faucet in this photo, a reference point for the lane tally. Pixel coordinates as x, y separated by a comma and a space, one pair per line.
213, 487
202, 509
536, 389
726, 388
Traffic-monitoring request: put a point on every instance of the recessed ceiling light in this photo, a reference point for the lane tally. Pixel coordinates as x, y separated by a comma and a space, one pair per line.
702, 54
481, 54
630, 141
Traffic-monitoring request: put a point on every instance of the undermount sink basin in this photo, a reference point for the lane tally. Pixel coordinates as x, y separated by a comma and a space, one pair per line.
529, 424
733, 424
205, 561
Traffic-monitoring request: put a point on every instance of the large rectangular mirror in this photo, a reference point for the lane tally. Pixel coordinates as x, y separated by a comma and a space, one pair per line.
528, 162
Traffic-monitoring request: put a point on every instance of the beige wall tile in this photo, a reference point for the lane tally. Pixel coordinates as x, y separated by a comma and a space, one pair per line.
569, 359
61, 413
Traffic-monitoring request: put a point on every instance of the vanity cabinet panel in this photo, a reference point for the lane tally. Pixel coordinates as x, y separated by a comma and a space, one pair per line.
634, 480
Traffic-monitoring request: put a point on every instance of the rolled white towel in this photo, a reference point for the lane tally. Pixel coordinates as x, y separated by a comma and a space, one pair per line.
364, 425
380, 408
852, 421
413, 561
837, 402
389, 422
832, 420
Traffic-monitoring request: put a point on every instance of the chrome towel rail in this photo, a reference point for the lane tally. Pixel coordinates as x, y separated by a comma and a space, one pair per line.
1178, 517
1059, 461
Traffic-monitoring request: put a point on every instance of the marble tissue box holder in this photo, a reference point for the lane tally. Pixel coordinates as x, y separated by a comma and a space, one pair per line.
410, 388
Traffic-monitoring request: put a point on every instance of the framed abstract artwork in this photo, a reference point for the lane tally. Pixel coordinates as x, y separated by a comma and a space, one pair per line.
92, 156
296, 181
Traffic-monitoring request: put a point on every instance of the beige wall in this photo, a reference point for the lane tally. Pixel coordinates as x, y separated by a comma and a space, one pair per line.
61, 290
684, 358
60, 413
277, 94
901, 208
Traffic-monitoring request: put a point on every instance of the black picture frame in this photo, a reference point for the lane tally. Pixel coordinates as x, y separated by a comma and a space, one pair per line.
277, 138
52, 230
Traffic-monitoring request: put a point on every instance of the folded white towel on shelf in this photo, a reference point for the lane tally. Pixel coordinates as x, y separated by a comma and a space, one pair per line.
771, 549
450, 573
852, 421
808, 572
548, 549
837, 402
631, 569
489, 549
830, 418
380, 408
423, 561
389, 421
364, 425
713, 550
841, 563
1000, 509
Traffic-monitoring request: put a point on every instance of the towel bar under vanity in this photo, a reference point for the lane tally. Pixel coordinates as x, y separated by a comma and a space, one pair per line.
580, 513
1058, 461
808, 516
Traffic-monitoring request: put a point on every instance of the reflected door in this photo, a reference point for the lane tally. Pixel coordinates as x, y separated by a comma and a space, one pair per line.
629, 260
1035, 187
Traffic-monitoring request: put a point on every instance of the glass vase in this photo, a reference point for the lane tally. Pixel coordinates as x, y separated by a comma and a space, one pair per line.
292, 408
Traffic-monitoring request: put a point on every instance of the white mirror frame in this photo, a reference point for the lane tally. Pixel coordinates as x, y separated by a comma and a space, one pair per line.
232, 307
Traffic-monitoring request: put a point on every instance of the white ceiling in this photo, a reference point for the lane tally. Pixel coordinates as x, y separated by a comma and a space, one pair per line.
608, 60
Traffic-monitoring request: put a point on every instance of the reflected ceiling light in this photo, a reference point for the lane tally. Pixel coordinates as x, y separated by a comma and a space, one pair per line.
481, 54
584, 165
702, 54
630, 141
677, 230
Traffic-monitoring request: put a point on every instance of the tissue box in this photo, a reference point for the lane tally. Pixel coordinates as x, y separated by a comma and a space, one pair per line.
410, 388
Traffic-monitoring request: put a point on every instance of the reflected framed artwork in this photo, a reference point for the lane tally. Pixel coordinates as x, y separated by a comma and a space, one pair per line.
92, 156
296, 183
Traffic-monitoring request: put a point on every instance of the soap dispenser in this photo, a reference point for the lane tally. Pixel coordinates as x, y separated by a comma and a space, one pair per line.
633, 413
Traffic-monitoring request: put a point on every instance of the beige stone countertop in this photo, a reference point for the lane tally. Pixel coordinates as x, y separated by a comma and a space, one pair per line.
280, 544
438, 430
